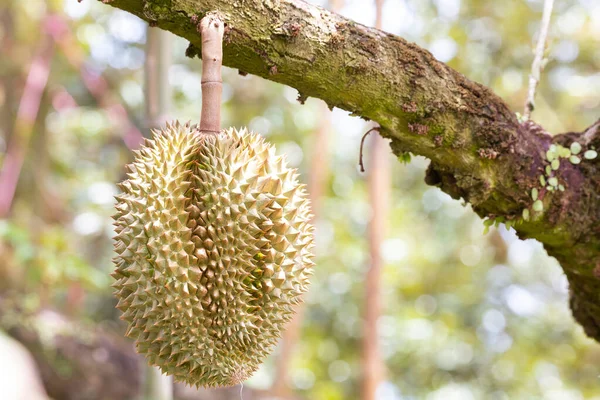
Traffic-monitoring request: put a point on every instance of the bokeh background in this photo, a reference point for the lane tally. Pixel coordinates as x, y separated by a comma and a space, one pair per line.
464, 315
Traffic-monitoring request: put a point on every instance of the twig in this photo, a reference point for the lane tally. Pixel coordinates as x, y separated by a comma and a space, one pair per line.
592, 132
212, 30
537, 65
362, 143
378, 19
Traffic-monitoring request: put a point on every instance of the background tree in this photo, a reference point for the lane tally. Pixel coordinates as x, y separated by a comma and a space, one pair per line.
158, 95
318, 172
379, 182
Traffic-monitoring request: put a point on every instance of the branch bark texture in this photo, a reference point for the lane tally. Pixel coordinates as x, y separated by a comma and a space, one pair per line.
478, 149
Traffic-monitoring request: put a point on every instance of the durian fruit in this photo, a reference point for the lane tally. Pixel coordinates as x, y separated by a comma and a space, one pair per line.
213, 251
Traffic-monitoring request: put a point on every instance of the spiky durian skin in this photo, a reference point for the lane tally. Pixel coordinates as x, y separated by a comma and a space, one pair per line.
214, 248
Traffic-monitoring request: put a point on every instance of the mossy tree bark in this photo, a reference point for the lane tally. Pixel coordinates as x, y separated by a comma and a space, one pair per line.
478, 149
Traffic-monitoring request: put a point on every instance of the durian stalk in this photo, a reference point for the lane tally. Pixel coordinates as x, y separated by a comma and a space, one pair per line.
211, 29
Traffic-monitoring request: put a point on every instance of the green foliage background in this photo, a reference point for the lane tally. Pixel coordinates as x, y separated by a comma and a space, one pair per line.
466, 316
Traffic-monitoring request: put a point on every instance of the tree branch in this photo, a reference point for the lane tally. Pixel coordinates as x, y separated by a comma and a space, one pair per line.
478, 149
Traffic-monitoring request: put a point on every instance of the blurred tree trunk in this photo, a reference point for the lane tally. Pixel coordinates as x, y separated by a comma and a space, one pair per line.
317, 177
158, 104
31, 179
379, 188
25, 120
316, 184
9, 77
158, 89
48, 205
10, 277
379, 183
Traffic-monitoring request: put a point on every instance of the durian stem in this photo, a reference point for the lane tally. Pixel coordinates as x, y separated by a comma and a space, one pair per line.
212, 30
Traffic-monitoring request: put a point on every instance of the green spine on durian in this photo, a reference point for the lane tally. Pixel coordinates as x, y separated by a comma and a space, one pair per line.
213, 250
